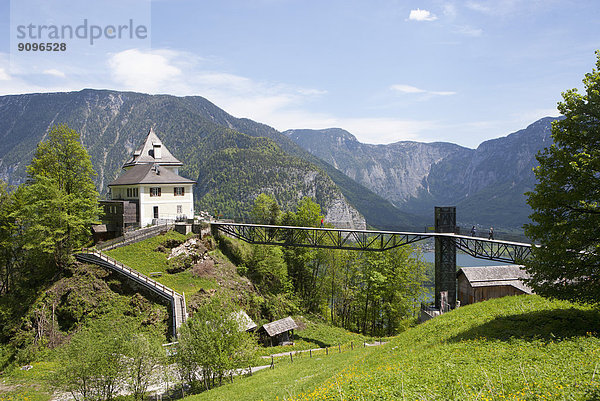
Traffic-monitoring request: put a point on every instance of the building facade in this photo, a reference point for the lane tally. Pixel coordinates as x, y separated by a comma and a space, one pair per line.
480, 283
150, 181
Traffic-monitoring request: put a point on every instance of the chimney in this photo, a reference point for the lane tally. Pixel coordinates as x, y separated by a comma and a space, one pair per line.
157, 147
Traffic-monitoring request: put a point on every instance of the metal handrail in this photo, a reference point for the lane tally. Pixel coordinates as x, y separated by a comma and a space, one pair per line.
131, 271
135, 236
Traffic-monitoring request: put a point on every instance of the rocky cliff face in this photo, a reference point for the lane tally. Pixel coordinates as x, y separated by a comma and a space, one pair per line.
487, 184
397, 171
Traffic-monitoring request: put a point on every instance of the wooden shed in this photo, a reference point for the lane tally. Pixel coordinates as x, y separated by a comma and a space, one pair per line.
486, 282
278, 332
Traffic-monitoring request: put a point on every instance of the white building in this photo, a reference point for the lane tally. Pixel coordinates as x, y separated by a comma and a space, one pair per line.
151, 181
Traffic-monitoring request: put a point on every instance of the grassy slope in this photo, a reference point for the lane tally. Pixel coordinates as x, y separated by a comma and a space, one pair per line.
316, 334
145, 258
520, 348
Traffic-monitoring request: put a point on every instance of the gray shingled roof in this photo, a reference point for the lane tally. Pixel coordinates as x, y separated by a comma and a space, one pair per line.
149, 174
244, 321
280, 326
489, 276
146, 153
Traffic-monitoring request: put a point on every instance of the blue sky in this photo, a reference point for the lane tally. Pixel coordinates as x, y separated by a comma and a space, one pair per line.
456, 71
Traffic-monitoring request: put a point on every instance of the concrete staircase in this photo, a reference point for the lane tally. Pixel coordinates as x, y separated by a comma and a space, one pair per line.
178, 306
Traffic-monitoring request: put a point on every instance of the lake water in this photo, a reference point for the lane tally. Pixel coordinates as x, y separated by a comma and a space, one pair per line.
464, 260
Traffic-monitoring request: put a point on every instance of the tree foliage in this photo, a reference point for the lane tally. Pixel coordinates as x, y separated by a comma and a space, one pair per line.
566, 201
61, 198
108, 356
92, 366
212, 343
370, 292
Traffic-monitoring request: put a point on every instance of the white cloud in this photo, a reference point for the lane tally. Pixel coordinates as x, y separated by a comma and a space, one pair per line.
144, 71
406, 89
281, 106
500, 8
468, 31
413, 89
421, 15
55, 72
450, 10
367, 129
479, 6
443, 93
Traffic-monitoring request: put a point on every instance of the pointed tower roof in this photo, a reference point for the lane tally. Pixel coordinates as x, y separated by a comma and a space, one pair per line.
152, 151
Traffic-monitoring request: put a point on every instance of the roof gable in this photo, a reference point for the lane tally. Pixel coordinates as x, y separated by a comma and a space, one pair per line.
149, 174
489, 276
153, 151
280, 326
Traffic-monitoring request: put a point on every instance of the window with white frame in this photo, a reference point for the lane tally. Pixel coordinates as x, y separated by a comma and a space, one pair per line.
179, 209
178, 191
154, 191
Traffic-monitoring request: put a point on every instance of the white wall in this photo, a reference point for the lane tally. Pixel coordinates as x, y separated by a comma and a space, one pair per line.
167, 203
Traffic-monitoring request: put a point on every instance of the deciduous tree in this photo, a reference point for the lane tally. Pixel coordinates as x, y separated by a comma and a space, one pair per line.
566, 201
61, 198
212, 343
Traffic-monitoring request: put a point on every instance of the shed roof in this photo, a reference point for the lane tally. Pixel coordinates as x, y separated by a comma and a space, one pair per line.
145, 154
149, 174
280, 326
490, 276
244, 321
99, 228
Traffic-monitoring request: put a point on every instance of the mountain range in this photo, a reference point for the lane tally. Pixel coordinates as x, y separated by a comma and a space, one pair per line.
486, 184
233, 160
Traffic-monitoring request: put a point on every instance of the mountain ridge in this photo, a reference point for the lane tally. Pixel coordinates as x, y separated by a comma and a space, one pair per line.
487, 184
113, 123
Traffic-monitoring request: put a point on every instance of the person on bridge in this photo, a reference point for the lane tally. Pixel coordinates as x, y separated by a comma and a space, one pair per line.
321, 223
473, 231
491, 233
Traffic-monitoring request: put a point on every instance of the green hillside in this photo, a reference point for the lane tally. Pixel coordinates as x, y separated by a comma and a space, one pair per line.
515, 348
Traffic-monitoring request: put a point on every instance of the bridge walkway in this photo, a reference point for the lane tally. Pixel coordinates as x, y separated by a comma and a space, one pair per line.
369, 240
177, 301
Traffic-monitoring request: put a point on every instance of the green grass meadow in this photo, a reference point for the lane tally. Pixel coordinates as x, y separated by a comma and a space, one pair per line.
513, 348
144, 257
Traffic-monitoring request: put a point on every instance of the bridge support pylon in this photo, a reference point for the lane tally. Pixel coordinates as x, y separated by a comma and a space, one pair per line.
445, 255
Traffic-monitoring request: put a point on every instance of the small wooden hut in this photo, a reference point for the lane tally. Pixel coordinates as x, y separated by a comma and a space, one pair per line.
278, 332
485, 282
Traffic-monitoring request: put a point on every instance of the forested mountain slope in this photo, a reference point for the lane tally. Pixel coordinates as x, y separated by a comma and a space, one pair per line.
112, 124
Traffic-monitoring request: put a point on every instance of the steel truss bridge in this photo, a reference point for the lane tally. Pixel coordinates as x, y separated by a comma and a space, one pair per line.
367, 240
446, 244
